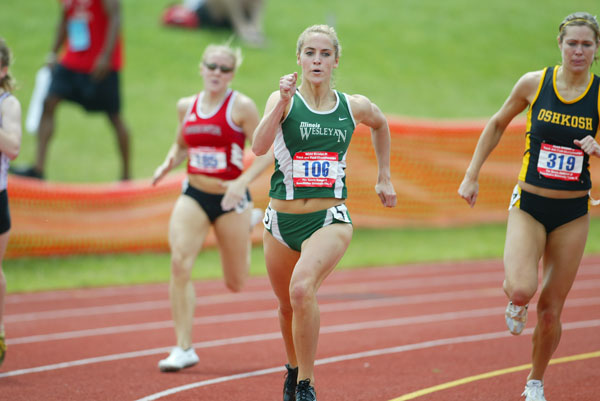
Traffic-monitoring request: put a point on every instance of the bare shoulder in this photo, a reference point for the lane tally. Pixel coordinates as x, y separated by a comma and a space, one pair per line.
358, 101
11, 105
530, 80
272, 101
243, 101
363, 109
274, 97
244, 110
185, 103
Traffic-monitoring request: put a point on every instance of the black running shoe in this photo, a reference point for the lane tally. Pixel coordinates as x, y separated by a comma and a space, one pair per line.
289, 387
305, 392
30, 172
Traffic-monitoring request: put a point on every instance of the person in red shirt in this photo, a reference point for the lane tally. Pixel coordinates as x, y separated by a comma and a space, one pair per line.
214, 126
86, 72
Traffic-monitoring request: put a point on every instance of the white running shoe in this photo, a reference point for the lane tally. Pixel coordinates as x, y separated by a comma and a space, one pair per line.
178, 359
516, 318
256, 217
534, 391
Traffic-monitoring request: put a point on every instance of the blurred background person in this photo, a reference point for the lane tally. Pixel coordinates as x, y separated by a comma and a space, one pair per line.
87, 73
244, 17
10, 144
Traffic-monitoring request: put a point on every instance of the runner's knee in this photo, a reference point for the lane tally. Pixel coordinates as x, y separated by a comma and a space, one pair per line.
181, 268
235, 283
519, 293
301, 295
548, 318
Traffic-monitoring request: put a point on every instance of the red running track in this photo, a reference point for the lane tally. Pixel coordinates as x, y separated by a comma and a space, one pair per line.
389, 333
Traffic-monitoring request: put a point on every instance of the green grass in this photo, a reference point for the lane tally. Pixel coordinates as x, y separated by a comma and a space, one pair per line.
416, 58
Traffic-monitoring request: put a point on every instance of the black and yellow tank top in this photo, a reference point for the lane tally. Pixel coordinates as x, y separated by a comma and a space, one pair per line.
551, 159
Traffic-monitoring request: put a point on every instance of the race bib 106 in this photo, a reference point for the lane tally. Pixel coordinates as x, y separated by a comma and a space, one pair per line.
314, 169
207, 159
559, 162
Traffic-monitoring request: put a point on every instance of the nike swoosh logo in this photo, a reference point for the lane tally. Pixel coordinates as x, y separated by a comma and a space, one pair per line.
343, 118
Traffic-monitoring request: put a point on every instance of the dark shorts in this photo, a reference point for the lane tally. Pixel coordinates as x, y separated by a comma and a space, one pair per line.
4, 212
80, 88
211, 203
552, 213
207, 20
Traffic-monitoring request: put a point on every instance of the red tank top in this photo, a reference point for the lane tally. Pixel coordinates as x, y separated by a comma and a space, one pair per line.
87, 26
215, 143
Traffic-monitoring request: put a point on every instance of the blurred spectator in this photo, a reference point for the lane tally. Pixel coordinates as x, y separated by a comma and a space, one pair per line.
244, 17
10, 144
87, 73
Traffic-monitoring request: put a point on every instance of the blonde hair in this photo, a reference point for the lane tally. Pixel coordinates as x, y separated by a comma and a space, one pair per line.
7, 83
234, 52
325, 30
579, 19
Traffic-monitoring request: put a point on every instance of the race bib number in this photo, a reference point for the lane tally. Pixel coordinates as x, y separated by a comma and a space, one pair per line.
79, 34
315, 169
268, 217
206, 159
560, 163
340, 213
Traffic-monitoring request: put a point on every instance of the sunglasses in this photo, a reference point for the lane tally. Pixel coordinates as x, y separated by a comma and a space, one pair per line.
214, 66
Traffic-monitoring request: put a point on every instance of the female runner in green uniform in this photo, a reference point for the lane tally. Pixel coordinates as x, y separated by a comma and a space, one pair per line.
310, 128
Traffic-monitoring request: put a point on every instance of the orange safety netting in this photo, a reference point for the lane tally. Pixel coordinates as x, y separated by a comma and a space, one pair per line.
428, 160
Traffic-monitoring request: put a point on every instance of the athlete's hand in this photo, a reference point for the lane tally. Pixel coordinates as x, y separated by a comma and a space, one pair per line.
101, 67
235, 192
287, 86
468, 190
162, 170
588, 145
387, 194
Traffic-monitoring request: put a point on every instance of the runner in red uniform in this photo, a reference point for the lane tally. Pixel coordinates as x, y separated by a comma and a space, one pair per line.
214, 126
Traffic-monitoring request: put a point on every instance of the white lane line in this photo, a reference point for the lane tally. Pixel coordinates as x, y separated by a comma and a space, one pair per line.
264, 314
432, 318
270, 313
327, 290
365, 354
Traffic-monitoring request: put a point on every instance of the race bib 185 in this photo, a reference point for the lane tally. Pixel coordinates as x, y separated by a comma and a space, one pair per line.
207, 159
315, 169
559, 162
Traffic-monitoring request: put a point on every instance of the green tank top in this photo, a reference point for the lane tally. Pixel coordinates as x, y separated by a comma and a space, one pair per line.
310, 151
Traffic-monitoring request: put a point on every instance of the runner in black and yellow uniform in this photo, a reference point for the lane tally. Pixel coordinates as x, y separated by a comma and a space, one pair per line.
548, 214
311, 128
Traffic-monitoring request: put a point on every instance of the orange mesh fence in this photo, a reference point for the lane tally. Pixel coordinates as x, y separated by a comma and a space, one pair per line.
428, 162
